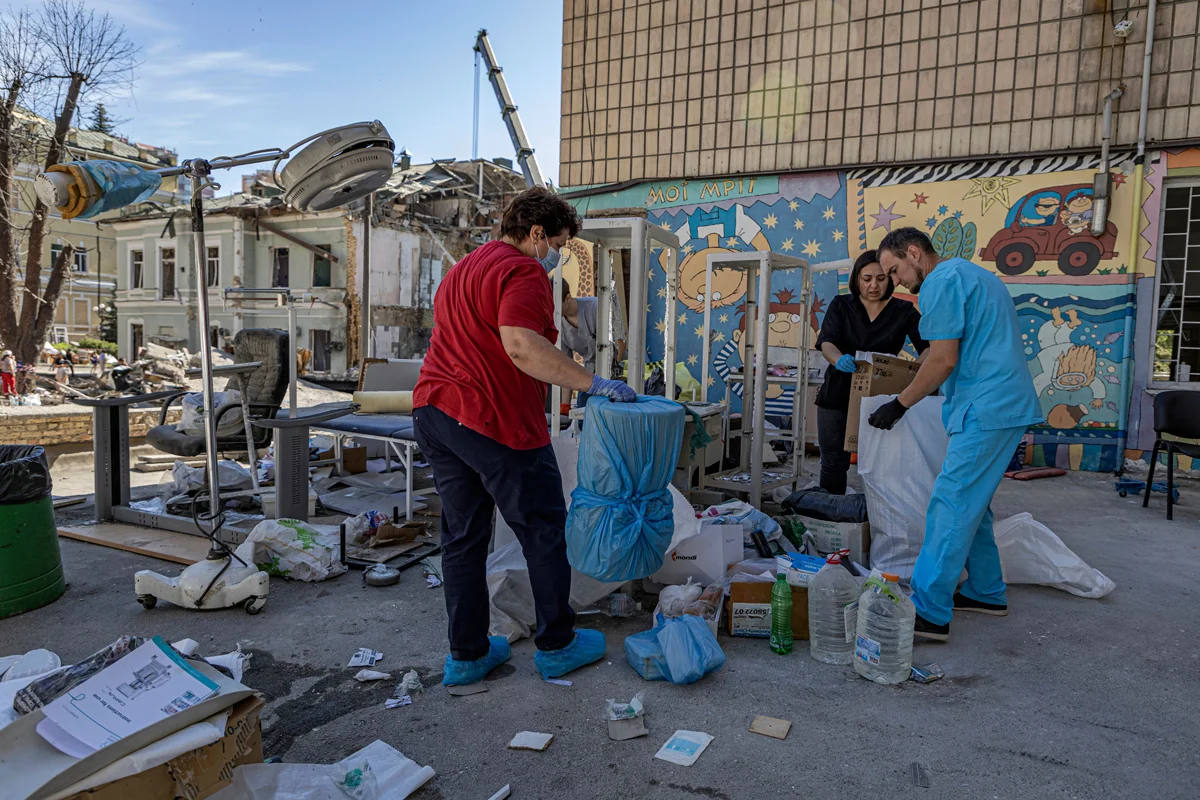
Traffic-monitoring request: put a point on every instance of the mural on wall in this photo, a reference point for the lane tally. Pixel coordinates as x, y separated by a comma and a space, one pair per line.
1029, 221
801, 215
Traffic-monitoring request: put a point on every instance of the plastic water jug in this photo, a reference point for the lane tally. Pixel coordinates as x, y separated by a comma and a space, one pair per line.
832, 613
883, 646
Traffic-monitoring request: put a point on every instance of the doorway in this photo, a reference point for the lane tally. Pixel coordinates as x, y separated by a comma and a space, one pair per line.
136, 339
319, 341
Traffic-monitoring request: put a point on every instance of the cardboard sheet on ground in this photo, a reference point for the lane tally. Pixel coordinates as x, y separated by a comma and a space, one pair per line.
512, 610
354, 500
898, 468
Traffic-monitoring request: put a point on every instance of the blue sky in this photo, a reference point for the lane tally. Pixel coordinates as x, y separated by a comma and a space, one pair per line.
220, 77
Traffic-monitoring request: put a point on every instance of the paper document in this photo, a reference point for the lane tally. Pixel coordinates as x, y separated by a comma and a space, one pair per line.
143, 688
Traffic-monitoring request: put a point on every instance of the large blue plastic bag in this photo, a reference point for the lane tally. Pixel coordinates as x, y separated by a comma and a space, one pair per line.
620, 523
681, 650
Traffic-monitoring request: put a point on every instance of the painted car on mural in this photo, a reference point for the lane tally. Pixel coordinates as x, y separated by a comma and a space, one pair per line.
1052, 224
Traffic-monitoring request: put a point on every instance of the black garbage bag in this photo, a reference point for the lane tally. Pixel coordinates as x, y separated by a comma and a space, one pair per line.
820, 504
24, 474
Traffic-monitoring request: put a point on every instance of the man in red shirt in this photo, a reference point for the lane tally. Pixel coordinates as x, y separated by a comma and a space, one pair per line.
479, 417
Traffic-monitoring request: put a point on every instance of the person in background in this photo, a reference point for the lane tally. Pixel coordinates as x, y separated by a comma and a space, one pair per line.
867, 319
8, 373
479, 418
580, 316
977, 358
63, 369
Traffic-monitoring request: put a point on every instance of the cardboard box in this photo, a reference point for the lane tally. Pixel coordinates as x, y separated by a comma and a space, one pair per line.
354, 459
704, 557
199, 773
749, 610
389, 534
877, 374
834, 536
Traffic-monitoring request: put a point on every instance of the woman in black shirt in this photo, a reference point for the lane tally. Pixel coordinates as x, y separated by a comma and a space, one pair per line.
867, 319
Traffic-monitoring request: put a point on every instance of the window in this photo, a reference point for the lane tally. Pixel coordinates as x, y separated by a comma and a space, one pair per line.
136, 259
166, 271
83, 317
320, 342
60, 334
279, 267
1177, 340
322, 268
212, 265
80, 263
425, 282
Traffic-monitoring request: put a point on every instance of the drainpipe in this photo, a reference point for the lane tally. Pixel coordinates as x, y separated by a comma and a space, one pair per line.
1135, 225
1102, 192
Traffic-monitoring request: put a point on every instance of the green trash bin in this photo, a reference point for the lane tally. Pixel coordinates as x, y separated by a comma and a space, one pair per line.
31, 573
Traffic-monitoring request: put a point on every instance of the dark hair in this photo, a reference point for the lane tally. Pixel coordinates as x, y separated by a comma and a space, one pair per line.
538, 206
869, 257
898, 241
566, 289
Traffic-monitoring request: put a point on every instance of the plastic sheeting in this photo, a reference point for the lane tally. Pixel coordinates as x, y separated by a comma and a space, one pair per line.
681, 650
898, 468
620, 522
1031, 553
24, 474
101, 186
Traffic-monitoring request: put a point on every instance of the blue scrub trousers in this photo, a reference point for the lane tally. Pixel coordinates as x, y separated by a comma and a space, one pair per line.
958, 524
476, 475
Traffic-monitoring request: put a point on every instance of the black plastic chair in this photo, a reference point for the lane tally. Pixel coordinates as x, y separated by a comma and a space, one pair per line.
1177, 414
262, 389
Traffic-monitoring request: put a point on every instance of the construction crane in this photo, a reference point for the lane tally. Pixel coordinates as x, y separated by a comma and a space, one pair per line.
508, 110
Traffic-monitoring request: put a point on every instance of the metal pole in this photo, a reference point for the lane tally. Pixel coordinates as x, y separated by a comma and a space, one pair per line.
761, 312
636, 344
364, 337
291, 314
199, 173
669, 333
705, 347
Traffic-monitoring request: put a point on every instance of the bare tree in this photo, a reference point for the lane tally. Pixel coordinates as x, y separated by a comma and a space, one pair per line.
85, 53
22, 74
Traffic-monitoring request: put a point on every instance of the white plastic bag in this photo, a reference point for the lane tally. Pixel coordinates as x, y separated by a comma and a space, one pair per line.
1031, 553
232, 475
674, 599
898, 468
288, 548
191, 418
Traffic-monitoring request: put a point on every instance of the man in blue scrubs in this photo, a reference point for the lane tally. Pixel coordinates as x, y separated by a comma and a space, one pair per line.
975, 355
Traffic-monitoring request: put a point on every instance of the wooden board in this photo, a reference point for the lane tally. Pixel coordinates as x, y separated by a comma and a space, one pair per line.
381, 555
769, 726
166, 545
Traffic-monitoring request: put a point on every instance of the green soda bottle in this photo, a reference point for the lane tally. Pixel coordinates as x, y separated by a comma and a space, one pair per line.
781, 616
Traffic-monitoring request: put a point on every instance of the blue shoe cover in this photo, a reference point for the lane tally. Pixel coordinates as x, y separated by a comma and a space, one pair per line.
461, 673
586, 647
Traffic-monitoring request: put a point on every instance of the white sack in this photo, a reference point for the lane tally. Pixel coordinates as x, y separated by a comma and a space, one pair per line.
1031, 553
288, 548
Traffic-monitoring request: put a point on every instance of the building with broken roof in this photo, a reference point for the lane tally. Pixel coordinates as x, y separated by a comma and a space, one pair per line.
426, 217
91, 278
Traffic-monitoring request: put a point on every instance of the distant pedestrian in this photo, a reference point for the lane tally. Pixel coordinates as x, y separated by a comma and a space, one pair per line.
8, 373
63, 369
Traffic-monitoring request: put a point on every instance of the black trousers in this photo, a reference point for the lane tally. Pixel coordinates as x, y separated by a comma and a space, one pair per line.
835, 461
476, 475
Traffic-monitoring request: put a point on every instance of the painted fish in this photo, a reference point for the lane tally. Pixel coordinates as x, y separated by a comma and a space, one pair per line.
1112, 337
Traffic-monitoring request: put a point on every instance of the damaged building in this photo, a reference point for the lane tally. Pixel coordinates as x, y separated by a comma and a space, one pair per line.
425, 218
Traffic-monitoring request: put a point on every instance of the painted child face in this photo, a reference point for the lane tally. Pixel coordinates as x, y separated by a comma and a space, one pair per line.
728, 285
1046, 207
1079, 203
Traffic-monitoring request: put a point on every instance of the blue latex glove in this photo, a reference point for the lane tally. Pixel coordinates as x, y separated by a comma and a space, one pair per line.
845, 364
618, 391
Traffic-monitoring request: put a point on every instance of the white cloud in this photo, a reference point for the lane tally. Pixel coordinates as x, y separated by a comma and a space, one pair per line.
135, 13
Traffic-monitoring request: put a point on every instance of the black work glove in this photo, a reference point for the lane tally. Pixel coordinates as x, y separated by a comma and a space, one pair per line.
887, 415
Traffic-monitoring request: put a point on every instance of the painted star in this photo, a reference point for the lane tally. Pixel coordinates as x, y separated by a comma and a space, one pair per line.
839, 235
699, 331
787, 246
683, 318
990, 191
920, 199
770, 221
687, 248
1118, 179
793, 205
647, 308
811, 248
723, 318
931, 222
885, 217
829, 213
718, 337
662, 292
942, 210
798, 224
661, 326
957, 215
692, 359
710, 380
731, 241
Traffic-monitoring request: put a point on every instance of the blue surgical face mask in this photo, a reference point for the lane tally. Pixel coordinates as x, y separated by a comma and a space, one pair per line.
550, 261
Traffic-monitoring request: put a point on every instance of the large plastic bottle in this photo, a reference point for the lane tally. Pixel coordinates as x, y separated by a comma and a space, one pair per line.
781, 616
832, 613
883, 646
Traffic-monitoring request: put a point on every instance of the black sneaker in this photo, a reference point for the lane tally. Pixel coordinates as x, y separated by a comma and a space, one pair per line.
924, 629
964, 603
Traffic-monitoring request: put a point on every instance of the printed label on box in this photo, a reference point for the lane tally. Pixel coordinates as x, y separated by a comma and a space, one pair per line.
751, 619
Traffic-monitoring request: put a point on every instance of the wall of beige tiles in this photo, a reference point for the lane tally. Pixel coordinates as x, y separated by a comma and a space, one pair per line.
656, 89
